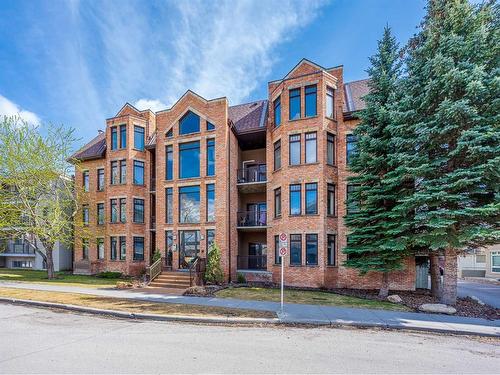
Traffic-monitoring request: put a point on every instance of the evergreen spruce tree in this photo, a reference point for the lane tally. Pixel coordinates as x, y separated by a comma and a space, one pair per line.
447, 132
376, 240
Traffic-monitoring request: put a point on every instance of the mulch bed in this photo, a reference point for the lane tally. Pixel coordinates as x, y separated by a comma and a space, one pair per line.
465, 306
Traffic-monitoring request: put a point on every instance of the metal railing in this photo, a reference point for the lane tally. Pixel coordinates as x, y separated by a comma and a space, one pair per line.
152, 184
252, 218
255, 173
252, 262
153, 222
154, 270
196, 271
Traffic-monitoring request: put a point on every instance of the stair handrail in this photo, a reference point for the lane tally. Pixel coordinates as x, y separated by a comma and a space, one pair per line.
154, 270
192, 267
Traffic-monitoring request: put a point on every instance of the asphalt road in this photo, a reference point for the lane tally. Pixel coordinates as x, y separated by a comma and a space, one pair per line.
488, 293
44, 341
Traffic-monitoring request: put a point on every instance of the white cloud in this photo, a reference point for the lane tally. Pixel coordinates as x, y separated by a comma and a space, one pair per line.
9, 108
232, 53
153, 104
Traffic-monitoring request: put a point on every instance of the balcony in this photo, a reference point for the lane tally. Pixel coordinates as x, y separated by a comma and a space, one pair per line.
252, 220
152, 223
152, 185
252, 262
252, 179
23, 250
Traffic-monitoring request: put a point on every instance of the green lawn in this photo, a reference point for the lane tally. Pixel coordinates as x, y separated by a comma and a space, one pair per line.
307, 297
67, 278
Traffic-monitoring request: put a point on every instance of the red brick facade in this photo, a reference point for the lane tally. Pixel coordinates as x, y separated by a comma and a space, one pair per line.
244, 222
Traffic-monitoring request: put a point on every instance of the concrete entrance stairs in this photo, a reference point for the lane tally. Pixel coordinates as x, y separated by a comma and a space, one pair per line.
171, 279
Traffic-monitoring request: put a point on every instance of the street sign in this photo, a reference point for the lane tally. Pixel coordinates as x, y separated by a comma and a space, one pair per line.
283, 251
283, 237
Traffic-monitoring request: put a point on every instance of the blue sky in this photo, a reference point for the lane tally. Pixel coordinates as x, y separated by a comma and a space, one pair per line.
77, 62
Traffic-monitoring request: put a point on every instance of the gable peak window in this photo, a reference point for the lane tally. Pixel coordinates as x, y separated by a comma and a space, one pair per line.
170, 133
139, 135
210, 126
189, 123
311, 96
294, 104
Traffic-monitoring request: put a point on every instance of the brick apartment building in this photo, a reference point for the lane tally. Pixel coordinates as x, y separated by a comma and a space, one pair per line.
204, 171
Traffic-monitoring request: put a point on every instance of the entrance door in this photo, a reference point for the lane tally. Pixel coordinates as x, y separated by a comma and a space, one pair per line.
422, 272
256, 214
189, 247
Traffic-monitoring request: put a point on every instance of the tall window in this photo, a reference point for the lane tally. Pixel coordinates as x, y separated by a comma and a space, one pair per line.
277, 258
295, 199
169, 209
330, 95
210, 126
123, 210
352, 203
311, 249
100, 248
86, 182
114, 138
294, 104
169, 242
100, 213
114, 172
277, 202
211, 202
330, 250
210, 238
100, 179
123, 171
330, 200
311, 100
169, 172
351, 149
311, 148
170, 133
330, 149
138, 172
139, 138
210, 157
277, 111
296, 249
189, 159
138, 210
123, 136
123, 247
85, 213
294, 149
114, 210
277, 155
495, 261
138, 248
114, 248
189, 204
311, 198
190, 123
85, 249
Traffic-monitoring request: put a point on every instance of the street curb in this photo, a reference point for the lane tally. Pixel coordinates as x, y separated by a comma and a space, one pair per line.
238, 321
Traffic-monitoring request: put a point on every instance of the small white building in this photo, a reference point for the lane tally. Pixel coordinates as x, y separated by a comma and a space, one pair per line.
17, 253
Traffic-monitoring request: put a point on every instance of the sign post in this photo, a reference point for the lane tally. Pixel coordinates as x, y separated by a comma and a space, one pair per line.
283, 249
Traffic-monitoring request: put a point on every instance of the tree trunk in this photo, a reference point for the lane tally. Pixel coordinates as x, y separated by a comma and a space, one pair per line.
449, 294
435, 275
50, 264
384, 288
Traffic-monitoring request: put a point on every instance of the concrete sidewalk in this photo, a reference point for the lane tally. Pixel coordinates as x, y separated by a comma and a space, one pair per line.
298, 313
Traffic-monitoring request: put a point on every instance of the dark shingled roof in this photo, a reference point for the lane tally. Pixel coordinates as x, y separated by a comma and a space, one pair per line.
95, 149
353, 94
249, 116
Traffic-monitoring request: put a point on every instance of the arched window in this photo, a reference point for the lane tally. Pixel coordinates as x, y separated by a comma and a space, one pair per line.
189, 123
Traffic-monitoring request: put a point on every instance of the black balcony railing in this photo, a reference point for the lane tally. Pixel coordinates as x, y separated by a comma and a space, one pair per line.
252, 262
252, 218
254, 173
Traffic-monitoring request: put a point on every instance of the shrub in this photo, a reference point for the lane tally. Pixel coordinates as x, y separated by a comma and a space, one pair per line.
109, 275
213, 272
156, 255
241, 279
